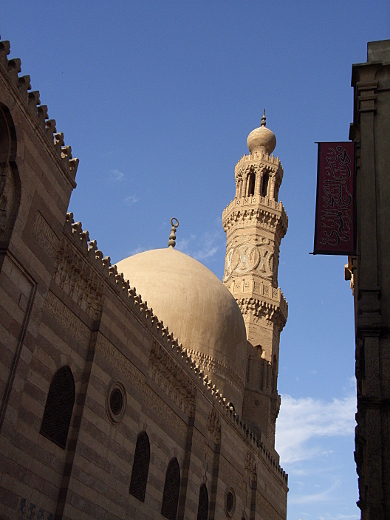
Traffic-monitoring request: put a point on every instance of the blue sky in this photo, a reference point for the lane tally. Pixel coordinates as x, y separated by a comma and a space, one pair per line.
157, 98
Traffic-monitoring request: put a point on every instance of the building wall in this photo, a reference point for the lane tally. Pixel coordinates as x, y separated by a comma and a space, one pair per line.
371, 279
63, 304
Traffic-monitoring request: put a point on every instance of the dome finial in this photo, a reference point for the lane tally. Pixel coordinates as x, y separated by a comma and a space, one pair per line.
172, 236
263, 120
261, 139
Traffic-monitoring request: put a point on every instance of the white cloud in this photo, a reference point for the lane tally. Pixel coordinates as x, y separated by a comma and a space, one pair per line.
305, 419
116, 176
137, 250
203, 247
130, 200
184, 244
322, 496
339, 516
310, 436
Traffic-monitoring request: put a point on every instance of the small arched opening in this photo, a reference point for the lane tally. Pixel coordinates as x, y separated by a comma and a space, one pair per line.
59, 407
264, 185
171, 490
139, 474
251, 184
203, 505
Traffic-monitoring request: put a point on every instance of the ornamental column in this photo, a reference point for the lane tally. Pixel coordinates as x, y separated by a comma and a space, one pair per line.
255, 223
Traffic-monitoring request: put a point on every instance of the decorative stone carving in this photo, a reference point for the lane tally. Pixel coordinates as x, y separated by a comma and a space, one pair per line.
65, 317
121, 363
248, 216
250, 466
214, 365
167, 374
163, 410
76, 277
249, 256
137, 379
263, 309
44, 235
214, 426
27, 509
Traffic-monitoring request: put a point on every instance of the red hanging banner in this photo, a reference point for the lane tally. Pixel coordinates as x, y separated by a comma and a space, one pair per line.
335, 209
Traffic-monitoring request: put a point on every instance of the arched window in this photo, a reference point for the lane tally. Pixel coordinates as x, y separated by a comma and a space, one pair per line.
203, 506
274, 374
139, 474
264, 185
251, 184
276, 192
59, 407
171, 490
9, 177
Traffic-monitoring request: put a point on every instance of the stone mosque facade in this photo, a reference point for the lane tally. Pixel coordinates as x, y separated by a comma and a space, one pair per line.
150, 399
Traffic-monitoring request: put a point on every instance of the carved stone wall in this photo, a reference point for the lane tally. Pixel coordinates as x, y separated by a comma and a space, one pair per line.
76, 277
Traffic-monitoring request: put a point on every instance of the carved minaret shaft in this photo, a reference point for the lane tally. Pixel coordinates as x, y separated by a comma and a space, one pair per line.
255, 223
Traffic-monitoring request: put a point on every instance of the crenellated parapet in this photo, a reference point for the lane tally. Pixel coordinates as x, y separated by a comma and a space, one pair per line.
38, 113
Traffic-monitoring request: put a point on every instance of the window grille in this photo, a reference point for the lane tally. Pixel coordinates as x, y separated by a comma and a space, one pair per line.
171, 490
59, 407
203, 506
139, 474
251, 184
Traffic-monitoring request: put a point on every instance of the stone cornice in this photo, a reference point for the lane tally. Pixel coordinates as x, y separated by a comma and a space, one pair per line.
268, 214
275, 312
215, 365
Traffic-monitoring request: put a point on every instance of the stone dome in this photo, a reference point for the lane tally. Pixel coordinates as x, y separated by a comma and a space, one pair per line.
261, 139
202, 314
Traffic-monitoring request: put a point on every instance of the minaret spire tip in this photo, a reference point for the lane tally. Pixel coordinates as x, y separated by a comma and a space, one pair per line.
263, 119
172, 236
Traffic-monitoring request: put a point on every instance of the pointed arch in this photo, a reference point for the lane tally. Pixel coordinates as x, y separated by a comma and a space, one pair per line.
9, 177
139, 474
251, 181
264, 184
276, 191
59, 407
171, 490
203, 505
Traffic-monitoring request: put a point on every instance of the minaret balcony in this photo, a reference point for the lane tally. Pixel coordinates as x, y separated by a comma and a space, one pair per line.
259, 298
256, 209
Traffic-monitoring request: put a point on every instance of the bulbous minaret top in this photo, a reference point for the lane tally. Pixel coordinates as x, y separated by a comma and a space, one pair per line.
261, 139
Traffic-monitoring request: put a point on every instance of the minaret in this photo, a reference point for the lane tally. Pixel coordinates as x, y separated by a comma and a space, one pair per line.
255, 223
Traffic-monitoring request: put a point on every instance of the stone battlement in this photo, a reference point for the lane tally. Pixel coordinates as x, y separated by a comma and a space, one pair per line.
258, 156
37, 112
